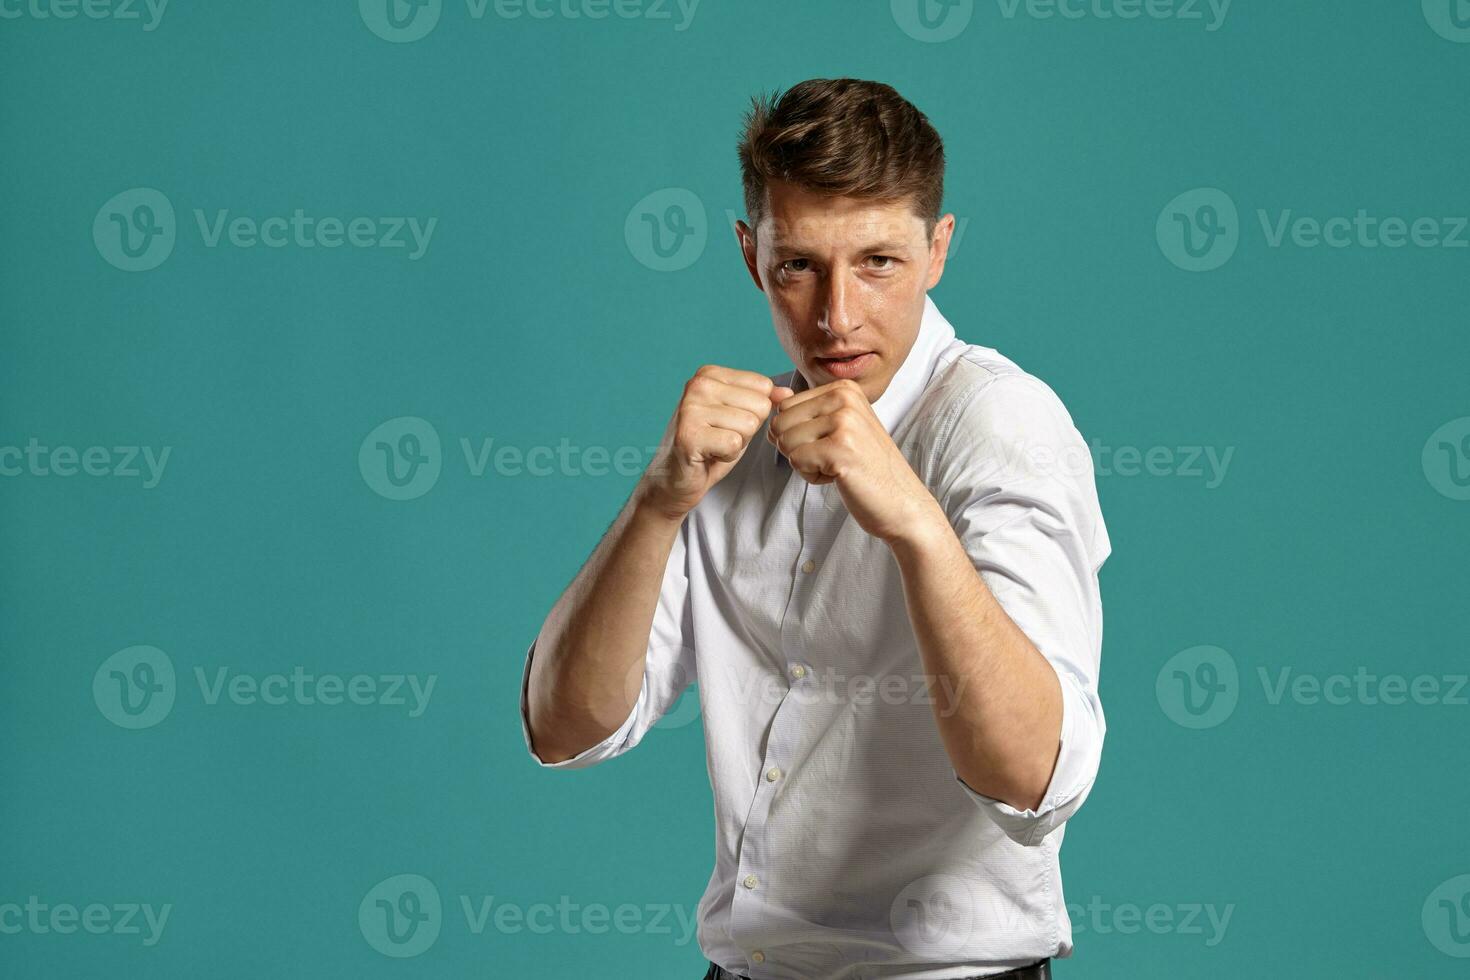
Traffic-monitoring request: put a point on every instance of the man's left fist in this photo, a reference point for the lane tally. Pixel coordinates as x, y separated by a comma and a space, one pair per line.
830, 434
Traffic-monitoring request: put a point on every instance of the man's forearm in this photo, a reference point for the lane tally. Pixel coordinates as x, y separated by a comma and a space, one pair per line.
590, 651
1000, 710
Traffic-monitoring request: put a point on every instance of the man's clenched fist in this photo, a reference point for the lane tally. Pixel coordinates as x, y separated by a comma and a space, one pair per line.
830, 434
720, 412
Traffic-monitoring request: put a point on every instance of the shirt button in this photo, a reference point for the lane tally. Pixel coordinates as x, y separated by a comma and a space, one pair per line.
758, 957
798, 671
773, 774
750, 881
808, 566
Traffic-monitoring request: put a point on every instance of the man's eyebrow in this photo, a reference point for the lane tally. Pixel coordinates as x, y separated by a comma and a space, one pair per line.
872, 248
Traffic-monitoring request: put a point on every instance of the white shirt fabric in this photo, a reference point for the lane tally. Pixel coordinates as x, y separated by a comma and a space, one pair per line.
846, 845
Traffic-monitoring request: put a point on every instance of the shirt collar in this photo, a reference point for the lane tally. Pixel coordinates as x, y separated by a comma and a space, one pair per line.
912, 376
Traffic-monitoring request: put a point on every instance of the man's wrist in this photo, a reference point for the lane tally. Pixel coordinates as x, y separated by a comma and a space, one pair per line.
922, 531
649, 507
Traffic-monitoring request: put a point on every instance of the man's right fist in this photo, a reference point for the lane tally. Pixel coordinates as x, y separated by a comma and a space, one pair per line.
720, 412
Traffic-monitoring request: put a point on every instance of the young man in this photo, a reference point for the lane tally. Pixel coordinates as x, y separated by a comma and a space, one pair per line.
881, 567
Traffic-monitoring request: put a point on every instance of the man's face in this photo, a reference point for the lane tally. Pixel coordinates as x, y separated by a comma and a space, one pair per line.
846, 279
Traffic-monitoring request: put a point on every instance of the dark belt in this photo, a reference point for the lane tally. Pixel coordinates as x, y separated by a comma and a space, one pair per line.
1040, 970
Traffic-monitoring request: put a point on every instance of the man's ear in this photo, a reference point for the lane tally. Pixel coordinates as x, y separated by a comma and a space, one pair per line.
746, 239
939, 249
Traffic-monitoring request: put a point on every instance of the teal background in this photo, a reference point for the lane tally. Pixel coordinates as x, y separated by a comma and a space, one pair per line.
530, 319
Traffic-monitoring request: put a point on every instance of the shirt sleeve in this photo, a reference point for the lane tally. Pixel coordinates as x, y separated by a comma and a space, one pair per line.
668, 669
1016, 480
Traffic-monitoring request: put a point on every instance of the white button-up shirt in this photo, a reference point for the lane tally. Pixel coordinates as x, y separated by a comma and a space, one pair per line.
846, 845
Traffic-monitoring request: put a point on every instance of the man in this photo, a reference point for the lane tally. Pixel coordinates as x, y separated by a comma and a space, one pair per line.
880, 567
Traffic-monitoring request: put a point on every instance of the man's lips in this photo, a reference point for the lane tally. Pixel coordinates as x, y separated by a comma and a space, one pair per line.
850, 366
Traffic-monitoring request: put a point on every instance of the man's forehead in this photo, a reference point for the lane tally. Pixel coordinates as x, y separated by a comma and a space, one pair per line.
861, 227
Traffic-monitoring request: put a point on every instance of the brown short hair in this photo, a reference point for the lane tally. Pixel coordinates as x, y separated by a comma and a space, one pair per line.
842, 136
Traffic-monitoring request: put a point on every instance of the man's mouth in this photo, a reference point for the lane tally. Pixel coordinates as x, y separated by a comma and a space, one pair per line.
849, 365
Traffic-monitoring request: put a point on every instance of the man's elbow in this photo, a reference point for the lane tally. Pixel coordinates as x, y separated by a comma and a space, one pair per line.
555, 738
549, 743
1022, 790
545, 751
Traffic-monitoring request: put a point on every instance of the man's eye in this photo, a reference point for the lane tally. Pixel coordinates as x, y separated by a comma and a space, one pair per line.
794, 265
884, 261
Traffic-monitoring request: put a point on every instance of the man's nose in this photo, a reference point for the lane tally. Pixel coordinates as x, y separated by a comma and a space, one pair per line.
838, 317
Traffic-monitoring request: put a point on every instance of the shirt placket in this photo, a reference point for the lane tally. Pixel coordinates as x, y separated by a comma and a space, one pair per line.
756, 867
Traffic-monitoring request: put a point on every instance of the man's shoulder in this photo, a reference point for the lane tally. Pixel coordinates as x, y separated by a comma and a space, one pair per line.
981, 388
